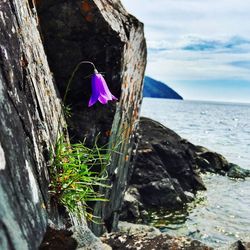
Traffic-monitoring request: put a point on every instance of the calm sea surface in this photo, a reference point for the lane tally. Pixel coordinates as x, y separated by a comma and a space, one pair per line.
221, 215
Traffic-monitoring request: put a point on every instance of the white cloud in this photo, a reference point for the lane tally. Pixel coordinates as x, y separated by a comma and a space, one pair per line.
213, 17
195, 39
178, 64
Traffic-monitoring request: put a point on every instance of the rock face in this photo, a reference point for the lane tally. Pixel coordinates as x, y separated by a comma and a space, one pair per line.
165, 167
156, 89
167, 170
29, 113
103, 32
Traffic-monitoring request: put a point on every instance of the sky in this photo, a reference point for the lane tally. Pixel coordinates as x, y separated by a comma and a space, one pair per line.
199, 48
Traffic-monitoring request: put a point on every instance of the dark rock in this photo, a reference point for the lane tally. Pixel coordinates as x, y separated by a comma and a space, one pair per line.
240, 245
204, 164
237, 172
153, 88
58, 240
160, 193
162, 154
132, 206
216, 163
179, 163
167, 171
164, 168
103, 32
29, 114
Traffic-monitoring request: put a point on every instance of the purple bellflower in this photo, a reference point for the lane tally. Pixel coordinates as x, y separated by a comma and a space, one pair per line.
100, 90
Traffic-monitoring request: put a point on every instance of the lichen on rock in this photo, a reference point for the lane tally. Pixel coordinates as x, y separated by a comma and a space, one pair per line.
103, 32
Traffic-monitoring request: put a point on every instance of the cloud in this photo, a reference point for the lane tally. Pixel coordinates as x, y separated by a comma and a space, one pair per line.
234, 43
223, 58
241, 64
170, 19
194, 43
202, 45
196, 40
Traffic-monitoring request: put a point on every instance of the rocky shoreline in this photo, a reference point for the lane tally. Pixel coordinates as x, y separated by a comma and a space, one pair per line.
167, 171
41, 43
130, 236
136, 236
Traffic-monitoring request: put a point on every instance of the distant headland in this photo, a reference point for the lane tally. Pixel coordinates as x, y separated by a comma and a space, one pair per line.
157, 89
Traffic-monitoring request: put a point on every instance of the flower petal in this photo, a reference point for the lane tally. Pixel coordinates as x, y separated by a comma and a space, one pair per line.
95, 92
113, 97
103, 99
100, 90
103, 88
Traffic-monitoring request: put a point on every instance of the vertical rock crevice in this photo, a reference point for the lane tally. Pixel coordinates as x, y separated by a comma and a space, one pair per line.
30, 107
103, 32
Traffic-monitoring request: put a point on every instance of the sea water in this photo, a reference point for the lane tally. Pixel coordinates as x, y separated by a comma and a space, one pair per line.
222, 214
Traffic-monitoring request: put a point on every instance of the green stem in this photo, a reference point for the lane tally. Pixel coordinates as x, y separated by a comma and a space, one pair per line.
72, 77
67, 89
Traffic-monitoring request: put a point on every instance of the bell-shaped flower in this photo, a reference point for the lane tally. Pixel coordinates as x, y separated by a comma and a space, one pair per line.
100, 90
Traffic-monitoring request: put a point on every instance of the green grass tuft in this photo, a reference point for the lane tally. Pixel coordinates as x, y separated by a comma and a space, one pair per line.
77, 173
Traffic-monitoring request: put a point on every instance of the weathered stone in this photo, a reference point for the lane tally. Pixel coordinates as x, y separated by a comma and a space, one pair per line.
29, 114
86, 239
151, 240
103, 32
131, 204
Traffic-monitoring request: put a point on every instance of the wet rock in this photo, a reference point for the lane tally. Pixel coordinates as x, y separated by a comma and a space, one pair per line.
165, 171
237, 172
168, 169
216, 163
163, 155
240, 245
